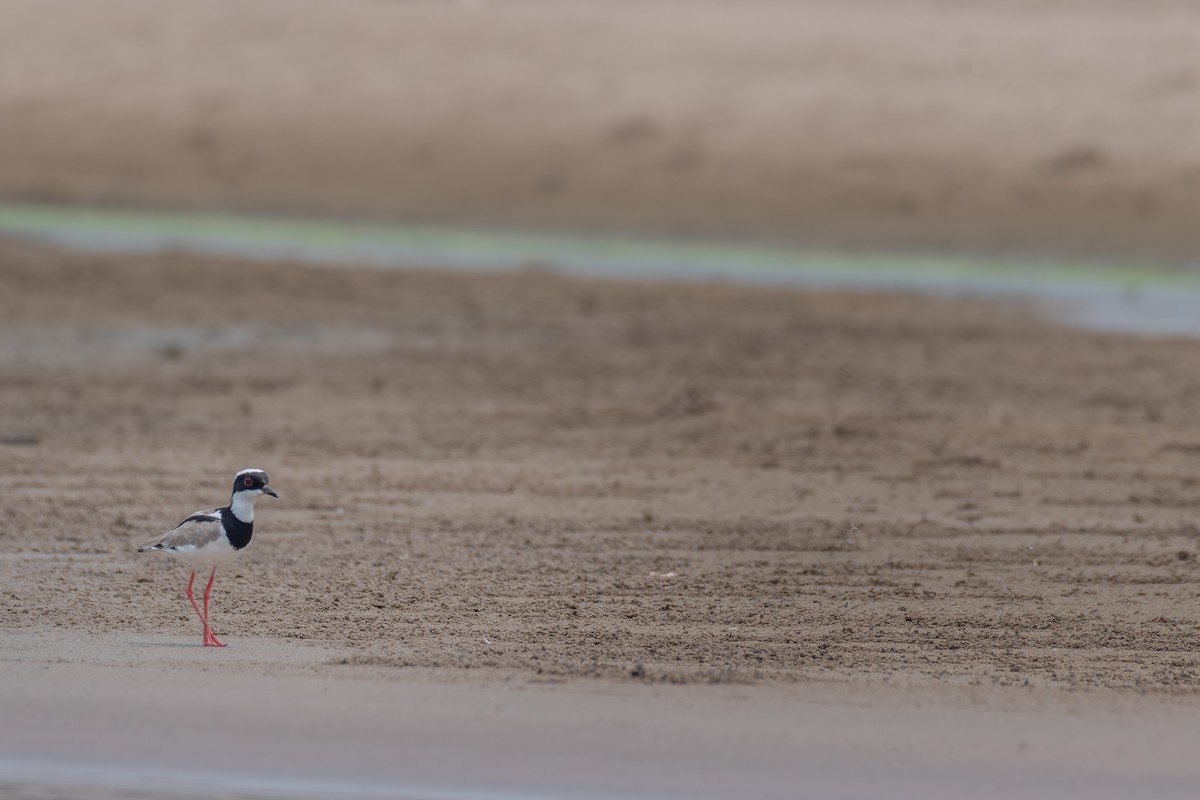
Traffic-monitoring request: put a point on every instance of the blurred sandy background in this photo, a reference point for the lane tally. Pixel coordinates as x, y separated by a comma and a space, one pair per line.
1068, 126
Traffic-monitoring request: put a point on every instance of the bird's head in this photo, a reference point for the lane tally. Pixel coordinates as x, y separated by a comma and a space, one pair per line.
250, 483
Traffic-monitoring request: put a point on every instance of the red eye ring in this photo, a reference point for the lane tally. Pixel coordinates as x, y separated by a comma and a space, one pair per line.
248, 481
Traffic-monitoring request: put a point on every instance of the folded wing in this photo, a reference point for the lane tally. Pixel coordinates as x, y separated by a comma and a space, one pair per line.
200, 529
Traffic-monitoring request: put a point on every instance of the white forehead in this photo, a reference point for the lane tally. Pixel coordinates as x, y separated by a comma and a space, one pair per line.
249, 471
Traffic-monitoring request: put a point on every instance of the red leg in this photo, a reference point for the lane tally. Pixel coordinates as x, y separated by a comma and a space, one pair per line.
209, 639
203, 616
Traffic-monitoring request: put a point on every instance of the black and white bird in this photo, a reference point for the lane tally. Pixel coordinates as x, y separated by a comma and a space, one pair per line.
214, 537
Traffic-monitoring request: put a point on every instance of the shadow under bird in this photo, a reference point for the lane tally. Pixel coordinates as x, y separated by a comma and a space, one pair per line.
215, 537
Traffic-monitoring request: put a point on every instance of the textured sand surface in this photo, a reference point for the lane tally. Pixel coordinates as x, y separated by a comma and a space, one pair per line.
1070, 125
532, 476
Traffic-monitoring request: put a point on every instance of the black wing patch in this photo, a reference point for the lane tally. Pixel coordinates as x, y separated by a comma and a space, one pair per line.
207, 516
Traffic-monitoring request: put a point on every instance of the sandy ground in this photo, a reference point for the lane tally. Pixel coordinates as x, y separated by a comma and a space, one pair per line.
527, 475
838, 518
891, 544
1067, 126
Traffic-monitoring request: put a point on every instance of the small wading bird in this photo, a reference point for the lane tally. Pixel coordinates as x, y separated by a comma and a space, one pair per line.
214, 537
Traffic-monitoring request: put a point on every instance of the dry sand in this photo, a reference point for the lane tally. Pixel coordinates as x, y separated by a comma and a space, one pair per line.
649, 482
1068, 125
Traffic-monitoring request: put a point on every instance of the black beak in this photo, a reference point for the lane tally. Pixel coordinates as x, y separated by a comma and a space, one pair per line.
270, 491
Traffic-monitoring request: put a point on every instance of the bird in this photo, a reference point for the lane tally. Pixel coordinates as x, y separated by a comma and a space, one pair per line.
215, 537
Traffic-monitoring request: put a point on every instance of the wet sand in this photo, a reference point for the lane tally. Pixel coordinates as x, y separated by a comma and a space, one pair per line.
93, 728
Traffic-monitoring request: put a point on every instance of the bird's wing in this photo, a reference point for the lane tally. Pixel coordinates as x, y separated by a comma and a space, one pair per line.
198, 530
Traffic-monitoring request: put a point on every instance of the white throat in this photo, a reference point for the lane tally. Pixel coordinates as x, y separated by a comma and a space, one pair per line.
242, 505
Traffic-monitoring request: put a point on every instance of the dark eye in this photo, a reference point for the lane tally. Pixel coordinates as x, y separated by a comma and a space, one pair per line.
248, 481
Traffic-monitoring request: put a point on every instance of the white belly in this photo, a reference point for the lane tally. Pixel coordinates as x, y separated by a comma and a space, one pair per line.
217, 552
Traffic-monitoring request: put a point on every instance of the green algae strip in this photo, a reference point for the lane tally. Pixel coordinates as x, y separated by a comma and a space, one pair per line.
333, 242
